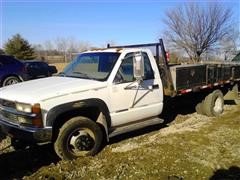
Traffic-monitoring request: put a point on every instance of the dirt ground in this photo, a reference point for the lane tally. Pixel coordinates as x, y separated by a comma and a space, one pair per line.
187, 146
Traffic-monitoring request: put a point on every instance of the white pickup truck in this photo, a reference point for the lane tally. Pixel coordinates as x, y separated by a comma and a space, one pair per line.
107, 92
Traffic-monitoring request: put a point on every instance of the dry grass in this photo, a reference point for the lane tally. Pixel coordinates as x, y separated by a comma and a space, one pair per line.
197, 148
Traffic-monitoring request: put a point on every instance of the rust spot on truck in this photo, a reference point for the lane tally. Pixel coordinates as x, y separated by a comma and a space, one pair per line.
119, 49
99, 49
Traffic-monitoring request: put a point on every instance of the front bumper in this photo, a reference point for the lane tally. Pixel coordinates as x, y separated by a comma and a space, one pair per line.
34, 135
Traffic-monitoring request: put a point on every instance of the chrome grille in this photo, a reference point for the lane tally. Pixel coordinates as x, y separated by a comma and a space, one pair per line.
6, 103
5, 114
9, 116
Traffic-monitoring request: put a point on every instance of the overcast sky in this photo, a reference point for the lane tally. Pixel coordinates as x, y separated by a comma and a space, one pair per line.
94, 21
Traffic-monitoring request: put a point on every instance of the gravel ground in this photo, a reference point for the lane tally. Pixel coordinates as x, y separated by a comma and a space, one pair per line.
190, 147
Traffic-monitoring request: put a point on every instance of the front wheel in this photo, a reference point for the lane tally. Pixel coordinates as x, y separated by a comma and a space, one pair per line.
78, 137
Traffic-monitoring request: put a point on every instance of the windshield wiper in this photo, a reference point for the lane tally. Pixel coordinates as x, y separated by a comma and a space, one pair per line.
62, 74
84, 74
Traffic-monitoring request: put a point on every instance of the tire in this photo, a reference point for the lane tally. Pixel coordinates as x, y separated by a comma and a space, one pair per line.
213, 103
78, 137
199, 108
10, 80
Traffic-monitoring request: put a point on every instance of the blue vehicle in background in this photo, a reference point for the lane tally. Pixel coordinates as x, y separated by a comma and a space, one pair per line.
12, 71
38, 69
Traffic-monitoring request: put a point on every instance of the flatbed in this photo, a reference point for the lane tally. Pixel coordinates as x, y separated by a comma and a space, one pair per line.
194, 77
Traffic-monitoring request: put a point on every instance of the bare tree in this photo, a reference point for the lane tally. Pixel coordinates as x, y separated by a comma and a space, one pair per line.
83, 46
196, 28
39, 51
62, 46
48, 45
68, 46
72, 45
229, 45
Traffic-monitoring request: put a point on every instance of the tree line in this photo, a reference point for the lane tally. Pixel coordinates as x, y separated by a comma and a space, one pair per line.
20, 48
191, 30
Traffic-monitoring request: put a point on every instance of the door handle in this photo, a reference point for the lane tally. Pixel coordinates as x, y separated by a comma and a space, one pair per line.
155, 86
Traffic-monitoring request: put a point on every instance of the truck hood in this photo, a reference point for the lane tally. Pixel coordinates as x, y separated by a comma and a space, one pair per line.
41, 89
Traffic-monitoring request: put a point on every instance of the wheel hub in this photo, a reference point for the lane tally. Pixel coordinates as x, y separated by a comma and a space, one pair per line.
12, 81
84, 143
81, 142
218, 106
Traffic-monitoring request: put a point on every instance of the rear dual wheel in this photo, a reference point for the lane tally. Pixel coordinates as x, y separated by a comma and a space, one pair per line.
212, 105
199, 108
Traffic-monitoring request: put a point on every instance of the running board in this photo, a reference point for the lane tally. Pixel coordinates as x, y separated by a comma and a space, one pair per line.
138, 125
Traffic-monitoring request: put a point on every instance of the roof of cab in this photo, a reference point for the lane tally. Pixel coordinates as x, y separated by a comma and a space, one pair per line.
118, 50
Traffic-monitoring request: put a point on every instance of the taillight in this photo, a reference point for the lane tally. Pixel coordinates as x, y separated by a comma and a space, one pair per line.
168, 56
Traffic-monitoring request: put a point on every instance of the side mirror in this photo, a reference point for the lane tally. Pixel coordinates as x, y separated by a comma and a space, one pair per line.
138, 66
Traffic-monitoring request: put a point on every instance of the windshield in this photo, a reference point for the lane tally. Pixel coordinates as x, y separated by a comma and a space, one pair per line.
97, 66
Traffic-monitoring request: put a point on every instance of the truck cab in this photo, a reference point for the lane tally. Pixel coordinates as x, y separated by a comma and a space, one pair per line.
100, 94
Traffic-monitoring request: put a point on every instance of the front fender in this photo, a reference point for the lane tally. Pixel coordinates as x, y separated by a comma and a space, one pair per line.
63, 108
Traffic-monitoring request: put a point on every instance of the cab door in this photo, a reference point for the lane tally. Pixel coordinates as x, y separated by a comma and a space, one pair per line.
131, 100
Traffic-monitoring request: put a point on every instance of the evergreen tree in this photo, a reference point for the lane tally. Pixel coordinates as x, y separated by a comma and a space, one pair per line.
20, 48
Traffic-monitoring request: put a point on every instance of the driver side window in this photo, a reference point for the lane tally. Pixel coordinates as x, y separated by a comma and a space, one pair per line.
125, 71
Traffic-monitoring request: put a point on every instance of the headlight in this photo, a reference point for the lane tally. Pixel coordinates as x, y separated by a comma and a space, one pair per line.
34, 118
24, 107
